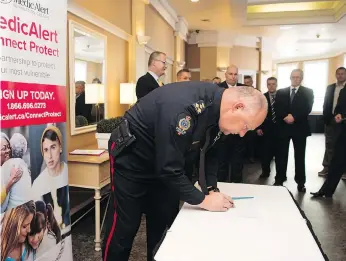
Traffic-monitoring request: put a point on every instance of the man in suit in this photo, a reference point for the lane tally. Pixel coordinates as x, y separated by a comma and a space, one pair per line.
337, 164
231, 75
217, 80
293, 106
248, 80
150, 81
81, 108
184, 75
250, 137
332, 129
269, 130
231, 149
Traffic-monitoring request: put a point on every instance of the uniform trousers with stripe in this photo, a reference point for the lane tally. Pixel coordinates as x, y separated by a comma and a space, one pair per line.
131, 199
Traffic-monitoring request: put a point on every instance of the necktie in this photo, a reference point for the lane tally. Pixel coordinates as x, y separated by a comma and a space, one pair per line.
272, 102
160, 83
293, 94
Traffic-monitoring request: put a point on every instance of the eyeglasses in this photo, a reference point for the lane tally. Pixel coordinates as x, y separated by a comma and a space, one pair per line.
164, 62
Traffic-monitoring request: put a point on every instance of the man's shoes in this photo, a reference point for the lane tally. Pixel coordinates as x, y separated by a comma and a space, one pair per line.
264, 175
320, 194
323, 172
301, 188
278, 183
343, 177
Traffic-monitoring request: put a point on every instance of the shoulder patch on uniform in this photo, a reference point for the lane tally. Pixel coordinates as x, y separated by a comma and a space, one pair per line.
183, 125
199, 106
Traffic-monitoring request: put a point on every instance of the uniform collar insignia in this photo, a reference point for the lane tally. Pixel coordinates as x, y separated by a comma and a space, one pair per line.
199, 106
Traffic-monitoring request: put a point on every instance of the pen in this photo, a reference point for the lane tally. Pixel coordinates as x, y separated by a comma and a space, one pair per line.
237, 198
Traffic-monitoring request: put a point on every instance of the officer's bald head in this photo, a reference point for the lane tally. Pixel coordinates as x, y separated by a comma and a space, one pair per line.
242, 108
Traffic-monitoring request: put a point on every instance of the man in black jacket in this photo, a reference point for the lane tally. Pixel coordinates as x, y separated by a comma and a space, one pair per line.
293, 106
231, 148
269, 130
148, 175
338, 162
332, 129
150, 81
81, 108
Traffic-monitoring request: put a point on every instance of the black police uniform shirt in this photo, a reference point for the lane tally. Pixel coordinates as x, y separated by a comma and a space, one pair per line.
169, 123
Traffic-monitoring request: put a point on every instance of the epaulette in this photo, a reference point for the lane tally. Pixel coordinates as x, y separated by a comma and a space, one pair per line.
199, 106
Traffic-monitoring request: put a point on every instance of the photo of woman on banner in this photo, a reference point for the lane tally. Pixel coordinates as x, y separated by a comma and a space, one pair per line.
15, 173
15, 227
50, 185
45, 232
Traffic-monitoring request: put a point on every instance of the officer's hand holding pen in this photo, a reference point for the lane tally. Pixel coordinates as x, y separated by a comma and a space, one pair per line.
217, 201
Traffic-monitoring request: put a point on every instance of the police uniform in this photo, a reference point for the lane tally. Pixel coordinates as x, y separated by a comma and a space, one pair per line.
168, 125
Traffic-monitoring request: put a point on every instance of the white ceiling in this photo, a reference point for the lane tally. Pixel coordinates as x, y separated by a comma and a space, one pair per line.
88, 47
229, 17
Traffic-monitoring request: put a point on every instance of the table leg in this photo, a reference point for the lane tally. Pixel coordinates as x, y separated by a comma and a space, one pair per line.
97, 220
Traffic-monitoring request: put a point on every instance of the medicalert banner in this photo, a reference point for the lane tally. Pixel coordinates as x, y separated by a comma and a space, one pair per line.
35, 209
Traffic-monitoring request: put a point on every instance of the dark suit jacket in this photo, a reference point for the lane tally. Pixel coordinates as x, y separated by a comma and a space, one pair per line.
224, 84
268, 126
82, 108
328, 104
145, 84
341, 105
300, 109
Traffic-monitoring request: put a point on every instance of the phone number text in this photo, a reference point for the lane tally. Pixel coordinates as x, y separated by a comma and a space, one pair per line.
26, 105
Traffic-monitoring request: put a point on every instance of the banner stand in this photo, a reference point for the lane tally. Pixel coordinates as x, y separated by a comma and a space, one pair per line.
35, 206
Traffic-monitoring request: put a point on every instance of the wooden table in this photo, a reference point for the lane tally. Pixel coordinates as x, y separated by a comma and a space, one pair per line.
90, 172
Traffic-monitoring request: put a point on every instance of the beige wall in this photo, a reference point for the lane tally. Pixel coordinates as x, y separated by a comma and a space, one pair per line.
161, 33
267, 66
117, 12
208, 62
334, 64
117, 62
246, 58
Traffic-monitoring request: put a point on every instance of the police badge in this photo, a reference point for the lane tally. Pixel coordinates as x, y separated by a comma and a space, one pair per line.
183, 125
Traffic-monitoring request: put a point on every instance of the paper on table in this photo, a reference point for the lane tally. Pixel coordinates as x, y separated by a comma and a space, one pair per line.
87, 152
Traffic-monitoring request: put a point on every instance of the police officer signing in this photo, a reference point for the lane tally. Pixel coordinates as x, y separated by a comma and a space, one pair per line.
147, 156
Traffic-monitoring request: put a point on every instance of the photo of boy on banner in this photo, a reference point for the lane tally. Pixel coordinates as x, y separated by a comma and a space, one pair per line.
50, 185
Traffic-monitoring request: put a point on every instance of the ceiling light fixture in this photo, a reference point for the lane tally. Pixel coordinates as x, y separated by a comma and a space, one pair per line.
285, 27
194, 1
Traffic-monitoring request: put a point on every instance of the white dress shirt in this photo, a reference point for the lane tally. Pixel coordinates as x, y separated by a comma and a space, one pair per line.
230, 86
154, 75
297, 88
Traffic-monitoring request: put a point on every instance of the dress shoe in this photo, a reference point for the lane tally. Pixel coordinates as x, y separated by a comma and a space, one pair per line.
264, 175
323, 172
277, 183
301, 188
320, 194
343, 177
